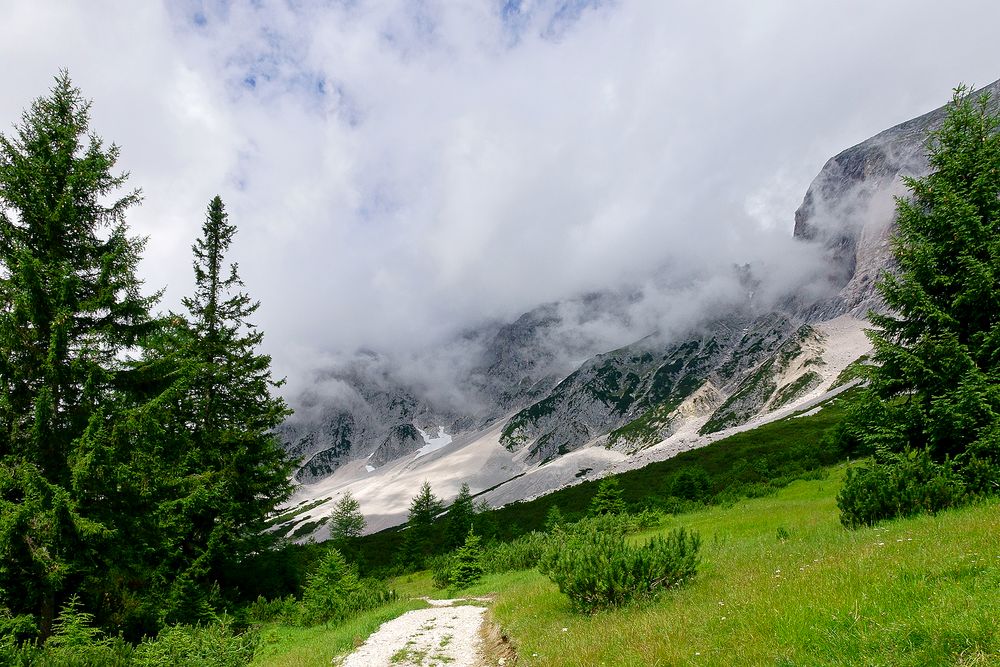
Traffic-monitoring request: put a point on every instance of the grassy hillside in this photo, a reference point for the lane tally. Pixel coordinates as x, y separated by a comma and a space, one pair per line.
783, 583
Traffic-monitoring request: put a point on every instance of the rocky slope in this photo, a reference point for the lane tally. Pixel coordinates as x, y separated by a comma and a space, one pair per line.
543, 404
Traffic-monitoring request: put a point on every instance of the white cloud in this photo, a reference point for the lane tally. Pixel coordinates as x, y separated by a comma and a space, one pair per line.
398, 169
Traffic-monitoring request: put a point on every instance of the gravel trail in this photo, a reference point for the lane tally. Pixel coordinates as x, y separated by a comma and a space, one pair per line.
442, 636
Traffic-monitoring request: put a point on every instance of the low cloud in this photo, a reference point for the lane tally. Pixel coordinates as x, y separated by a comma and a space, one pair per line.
402, 171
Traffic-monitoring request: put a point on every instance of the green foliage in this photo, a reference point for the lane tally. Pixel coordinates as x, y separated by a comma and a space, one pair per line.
597, 570
907, 483
691, 483
939, 348
554, 519
213, 645
608, 499
468, 562
460, 518
74, 628
70, 308
934, 392
335, 592
422, 537
346, 521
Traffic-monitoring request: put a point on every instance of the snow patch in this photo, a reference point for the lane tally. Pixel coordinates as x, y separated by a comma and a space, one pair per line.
433, 444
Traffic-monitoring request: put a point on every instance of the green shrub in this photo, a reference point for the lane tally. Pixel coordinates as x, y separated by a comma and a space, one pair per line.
441, 568
520, 554
212, 645
284, 609
691, 483
905, 484
598, 570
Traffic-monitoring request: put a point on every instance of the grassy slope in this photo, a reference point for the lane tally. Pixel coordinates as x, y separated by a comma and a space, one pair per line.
921, 591
914, 592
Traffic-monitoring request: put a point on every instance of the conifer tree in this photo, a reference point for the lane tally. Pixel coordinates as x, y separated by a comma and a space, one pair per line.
461, 516
608, 499
237, 471
468, 562
936, 380
70, 306
346, 521
422, 534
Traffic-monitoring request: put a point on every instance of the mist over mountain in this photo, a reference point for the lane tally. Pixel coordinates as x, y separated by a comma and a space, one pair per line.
592, 382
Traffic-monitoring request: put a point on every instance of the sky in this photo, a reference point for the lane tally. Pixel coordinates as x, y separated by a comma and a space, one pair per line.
401, 169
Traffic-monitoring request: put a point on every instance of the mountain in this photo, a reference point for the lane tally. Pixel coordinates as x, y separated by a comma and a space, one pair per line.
545, 401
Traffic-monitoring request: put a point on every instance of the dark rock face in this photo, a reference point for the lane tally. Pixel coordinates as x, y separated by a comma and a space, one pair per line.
629, 394
402, 439
849, 209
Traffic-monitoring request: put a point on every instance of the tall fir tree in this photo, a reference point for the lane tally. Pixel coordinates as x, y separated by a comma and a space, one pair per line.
936, 380
70, 306
237, 470
422, 538
461, 516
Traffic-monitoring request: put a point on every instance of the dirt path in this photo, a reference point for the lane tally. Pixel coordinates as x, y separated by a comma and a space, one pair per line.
442, 636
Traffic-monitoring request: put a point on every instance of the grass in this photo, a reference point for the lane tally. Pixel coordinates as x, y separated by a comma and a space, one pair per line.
782, 583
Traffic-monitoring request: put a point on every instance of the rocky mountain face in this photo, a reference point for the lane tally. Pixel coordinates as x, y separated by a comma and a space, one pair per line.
552, 389
849, 209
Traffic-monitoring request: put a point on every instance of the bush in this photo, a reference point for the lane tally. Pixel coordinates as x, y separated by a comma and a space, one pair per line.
691, 483
441, 568
213, 645
598, 570
284, 609
905, 484
520, 554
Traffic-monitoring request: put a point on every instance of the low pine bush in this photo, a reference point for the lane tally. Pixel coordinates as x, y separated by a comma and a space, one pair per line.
521, 554
211, 645
903, 485
597, 570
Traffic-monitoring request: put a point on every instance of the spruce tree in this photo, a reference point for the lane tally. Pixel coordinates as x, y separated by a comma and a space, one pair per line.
237, 471
346, 521
70, 307
936, 379
461, 516
422, 537
608, 499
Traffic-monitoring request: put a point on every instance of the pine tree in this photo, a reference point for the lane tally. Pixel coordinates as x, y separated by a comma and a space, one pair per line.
461, 516
422, 535
936, 380
608, 499
70, 306
468, 562
237, 471
346, 521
